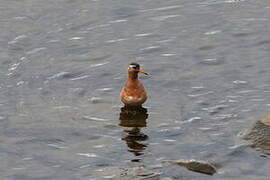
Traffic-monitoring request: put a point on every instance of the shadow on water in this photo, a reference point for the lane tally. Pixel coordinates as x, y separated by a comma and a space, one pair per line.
133, 119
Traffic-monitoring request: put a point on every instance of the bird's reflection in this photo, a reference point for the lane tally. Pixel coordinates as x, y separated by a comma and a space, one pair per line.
133, 119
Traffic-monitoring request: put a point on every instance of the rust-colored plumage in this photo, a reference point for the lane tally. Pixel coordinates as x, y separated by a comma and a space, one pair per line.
133, 93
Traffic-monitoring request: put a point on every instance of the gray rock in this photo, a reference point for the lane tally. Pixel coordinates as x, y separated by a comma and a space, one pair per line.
259, 135
136, 173
197, 166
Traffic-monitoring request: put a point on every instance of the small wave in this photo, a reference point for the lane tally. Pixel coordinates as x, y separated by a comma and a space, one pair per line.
76, 38
59, 75
94, 118
105, 89
98, 26
201, 94
151, 49
36, 50
79, 78
165, 8
162, 18
239, 82
16, 39
169, 140
99, 64
57, 146
193, 119
116, 40
143, 35
118, 21
213, 32
90, 155
168, 55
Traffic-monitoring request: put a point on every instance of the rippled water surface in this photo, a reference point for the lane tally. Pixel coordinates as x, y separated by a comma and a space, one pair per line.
63, 63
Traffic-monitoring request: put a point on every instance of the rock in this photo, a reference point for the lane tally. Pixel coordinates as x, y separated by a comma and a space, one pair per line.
136, 173
197, 166
259, 135
140, 171
266, 120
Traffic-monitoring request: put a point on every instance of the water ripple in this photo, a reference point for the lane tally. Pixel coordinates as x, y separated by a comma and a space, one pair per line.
14, 66
216, 109
96, 100
201, 94
256, 19
212, 32
57, 146
162, 18
27, 158
246, 91
20, 17
257, 100
151, 49
143, 35
60, 75
168, 54
18, 38
54, 41
85, 166
36, 50
239, 82
198, 87
205, 128
94, 119
76, 38
98, 26
212, 61
62, 107
99, 146
118, 21
99, 64
225, 116
234, 1
79, 78
169, 140
116, 40
192, 119
105, 89
90, 155
165, 8
213, 2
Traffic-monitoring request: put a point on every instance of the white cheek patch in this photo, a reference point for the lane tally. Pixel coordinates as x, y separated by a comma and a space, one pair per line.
132, 66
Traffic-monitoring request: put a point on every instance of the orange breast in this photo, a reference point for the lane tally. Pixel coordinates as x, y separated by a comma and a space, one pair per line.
133, 93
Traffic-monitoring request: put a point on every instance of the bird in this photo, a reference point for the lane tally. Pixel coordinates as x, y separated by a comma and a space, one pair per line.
133, 93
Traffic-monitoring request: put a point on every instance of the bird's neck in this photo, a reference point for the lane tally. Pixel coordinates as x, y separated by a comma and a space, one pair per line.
133, 80
132, 76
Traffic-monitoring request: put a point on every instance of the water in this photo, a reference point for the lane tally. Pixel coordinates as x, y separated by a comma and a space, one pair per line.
64, 62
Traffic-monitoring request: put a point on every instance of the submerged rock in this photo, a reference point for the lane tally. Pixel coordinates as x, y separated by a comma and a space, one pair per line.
259, 135
136, 173
197, 166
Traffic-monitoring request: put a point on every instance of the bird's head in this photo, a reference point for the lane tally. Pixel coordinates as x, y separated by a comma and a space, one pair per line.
134, 68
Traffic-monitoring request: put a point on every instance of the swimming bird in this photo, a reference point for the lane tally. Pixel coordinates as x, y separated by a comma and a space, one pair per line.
133, 93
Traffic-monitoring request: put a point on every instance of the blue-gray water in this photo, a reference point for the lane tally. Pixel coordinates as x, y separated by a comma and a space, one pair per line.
63, 63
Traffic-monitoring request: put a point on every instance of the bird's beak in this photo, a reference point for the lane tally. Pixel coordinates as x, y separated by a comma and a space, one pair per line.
142, 71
